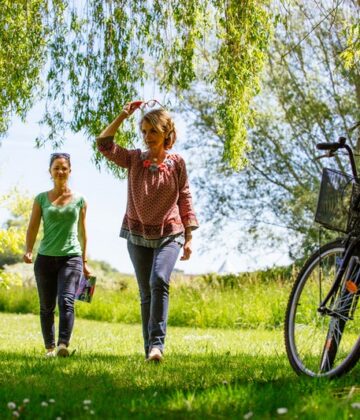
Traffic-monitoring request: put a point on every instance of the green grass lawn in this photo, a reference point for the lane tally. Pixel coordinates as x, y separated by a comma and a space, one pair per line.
207, 373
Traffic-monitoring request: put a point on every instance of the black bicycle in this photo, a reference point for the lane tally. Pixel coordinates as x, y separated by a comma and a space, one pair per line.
322, 324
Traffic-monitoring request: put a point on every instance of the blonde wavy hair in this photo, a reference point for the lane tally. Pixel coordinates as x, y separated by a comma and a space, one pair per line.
163, 123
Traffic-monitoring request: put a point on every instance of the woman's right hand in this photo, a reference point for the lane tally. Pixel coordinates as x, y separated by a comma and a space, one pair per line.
131, 107
27, 258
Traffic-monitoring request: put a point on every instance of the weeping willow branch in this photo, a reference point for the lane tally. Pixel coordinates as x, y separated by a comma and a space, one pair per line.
94, 56
246, 31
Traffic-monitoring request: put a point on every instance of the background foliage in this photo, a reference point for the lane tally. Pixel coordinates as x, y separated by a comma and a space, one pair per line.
209, 301
86, 59
95, 56
22, 56
12, 234
310, 94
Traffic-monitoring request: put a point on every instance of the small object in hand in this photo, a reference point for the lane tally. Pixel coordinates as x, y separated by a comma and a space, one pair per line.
152, 103
86, 289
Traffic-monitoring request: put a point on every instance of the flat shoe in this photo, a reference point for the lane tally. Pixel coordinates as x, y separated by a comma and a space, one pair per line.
155, 355
62, 351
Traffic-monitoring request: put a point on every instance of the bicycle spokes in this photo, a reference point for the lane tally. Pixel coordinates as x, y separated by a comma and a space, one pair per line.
319, 339
341, 311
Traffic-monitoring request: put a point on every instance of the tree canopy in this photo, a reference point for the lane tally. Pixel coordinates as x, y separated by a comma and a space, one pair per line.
86, 59
22, 56
310, 94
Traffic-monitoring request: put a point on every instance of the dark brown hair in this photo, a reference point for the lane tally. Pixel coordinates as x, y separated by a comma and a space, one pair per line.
59, 155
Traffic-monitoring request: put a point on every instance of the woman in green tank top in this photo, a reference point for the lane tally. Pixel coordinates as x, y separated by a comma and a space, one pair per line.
61, 258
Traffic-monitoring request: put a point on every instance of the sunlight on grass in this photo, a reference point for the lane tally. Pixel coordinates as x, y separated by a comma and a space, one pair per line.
123, 339
207, 372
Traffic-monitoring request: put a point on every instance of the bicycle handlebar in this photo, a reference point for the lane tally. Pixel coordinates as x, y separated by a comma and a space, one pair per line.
340, 144
333, 147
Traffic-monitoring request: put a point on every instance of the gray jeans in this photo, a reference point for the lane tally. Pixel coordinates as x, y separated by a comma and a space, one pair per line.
57, 277
153, 267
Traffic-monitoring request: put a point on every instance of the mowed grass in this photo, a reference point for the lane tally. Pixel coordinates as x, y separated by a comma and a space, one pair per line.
208, 373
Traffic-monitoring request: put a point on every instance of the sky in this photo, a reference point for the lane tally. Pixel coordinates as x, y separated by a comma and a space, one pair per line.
24, 166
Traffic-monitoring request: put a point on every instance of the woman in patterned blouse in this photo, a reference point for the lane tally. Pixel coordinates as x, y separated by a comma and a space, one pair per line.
159, 216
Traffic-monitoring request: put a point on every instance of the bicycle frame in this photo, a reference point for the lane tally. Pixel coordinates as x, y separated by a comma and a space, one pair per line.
352, 162
322, 316
354, 242
351, 242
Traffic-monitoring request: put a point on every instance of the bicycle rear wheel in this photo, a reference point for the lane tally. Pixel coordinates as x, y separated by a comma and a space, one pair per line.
327, 344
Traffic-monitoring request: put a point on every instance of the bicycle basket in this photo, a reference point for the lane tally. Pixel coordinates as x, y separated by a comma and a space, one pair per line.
338, 202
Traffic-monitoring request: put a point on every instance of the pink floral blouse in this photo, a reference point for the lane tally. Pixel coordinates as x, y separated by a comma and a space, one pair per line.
159, 202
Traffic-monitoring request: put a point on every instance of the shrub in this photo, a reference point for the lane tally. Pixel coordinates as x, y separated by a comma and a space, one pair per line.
248, 300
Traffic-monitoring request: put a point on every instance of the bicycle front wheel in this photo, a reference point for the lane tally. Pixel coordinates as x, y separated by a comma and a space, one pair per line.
323, 344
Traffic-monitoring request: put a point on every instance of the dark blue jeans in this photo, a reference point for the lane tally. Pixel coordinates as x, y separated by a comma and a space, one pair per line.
57, 277
153, 269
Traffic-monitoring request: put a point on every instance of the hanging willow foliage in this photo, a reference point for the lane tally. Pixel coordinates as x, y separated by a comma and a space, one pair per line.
96, 55
245, 33
22, 54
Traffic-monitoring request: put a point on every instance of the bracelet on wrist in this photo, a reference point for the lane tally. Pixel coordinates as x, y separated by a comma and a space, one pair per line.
84, 261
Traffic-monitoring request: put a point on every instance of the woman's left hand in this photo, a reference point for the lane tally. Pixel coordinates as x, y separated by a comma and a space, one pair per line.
86, 270
187, 250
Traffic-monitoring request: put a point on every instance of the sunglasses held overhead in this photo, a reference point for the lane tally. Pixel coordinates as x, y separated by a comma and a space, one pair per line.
59, 155
130, 107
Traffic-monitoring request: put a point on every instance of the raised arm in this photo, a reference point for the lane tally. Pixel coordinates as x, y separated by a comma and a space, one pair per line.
32, 232
112, 128
105, 141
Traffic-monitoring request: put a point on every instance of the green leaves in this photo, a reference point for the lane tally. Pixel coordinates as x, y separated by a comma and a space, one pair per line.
12, 234
246, 30
351, 54
98, 57
307, 96
22, 53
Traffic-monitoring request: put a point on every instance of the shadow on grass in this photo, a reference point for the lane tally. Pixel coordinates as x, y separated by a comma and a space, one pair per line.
188, 386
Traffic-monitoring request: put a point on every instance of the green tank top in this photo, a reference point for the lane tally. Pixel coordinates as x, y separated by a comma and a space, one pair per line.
60, 226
